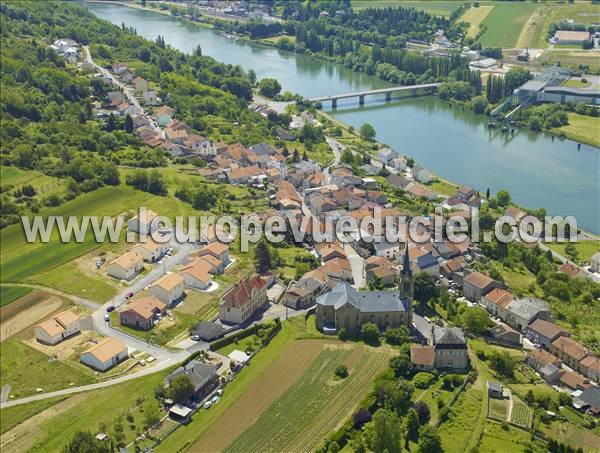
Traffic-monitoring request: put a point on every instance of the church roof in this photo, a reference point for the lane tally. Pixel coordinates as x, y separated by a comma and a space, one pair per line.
364, 301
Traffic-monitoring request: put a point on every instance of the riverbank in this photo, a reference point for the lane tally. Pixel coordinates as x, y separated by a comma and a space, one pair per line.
449, 141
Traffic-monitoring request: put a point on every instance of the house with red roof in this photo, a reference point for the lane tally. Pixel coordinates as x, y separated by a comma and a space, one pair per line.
243, 300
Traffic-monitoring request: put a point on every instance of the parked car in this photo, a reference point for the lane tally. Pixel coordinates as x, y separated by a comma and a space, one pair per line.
129, 295
207, 405
106, 317
215, 399
110, 308
220, 392
195, 337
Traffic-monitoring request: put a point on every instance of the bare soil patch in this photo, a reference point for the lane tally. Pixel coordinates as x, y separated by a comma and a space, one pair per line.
38, 310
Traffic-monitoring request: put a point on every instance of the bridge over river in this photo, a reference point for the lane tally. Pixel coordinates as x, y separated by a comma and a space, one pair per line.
387, 91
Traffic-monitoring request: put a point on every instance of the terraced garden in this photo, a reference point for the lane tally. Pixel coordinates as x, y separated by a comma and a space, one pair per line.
521, 414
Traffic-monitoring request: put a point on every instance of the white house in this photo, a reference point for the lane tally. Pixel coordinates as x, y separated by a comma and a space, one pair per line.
126, 266
242, 301
150, 97
398, 163
57, 328
168, 288
142, 223
422, 174
596, 262
105, 354
200, 145
150, 250
197, 276
386, 155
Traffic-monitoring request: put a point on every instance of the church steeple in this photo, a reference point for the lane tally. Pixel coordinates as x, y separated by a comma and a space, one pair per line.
406, 285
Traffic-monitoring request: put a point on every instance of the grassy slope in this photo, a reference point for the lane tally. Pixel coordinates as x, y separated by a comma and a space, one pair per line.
26, 369
581, 128
502, 22
12, 416
585, 248
474, 16
92, 410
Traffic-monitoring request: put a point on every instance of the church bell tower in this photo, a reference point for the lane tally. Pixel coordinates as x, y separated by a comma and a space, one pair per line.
406, 285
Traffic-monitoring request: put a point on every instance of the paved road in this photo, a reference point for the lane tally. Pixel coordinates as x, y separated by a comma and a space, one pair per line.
126, 89
357, 263
5, 393
85, 388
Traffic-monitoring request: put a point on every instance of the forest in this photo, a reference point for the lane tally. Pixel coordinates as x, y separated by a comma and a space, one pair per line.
48, 124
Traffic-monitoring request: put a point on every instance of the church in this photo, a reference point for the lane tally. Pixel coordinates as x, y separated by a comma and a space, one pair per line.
345, 307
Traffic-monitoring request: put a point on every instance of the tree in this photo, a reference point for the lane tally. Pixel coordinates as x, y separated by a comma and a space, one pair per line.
480, 104
263, 257
180, 389
367, 131
119, 432
386, 432
396, 336
502, 364
475, 320
369, 332
157, 184
503, 197
269, 87
85, 442
198, 51
361, 416
424, 287
128, 124
412, 425
429, 440
423, 412
341, 371
151, 414
111, 124
401, 365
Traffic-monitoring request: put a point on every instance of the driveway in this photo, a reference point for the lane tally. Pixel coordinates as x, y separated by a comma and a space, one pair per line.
357, 263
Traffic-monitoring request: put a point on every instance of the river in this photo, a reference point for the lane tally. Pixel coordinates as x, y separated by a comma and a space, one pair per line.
537, 170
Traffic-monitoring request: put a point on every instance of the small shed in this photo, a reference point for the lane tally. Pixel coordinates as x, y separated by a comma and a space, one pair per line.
495, 389
180, 413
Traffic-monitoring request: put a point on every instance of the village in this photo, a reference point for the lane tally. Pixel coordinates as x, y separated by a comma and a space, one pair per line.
363, 281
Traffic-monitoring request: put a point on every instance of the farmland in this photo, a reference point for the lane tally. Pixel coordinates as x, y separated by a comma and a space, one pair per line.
267, 385
9, 294
316, 403
474, 16
437, 7
502, 22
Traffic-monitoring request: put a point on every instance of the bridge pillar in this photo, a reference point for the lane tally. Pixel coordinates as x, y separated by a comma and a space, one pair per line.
334, 103
388, 96
361, 100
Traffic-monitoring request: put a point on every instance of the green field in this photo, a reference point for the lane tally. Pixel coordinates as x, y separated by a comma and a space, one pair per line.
497, 408
17, 177
88, 411
9, 294
12, 416
521, 415
27, 369
499, 438
503, 22
581, 128
571, 58
437, 7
